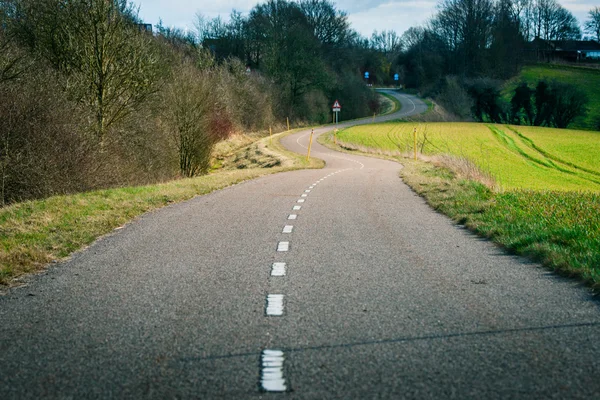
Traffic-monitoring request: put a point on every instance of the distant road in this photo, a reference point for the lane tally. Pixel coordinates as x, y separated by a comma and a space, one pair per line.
411, 105
338, 283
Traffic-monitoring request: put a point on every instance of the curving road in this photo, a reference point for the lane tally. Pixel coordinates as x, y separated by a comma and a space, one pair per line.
338, 283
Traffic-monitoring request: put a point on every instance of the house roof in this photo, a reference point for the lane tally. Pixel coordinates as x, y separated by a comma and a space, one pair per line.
576, 45
565, 45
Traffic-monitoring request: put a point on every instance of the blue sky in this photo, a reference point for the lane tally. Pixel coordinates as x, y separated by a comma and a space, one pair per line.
364, 15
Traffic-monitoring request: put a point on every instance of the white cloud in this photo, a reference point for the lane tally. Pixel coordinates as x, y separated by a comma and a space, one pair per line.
397, 16
182, 13
578, 5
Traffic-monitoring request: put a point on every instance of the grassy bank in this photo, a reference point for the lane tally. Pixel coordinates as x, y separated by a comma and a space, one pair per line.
561, 230
35, 233
515, 157
585, 79
389, 104
557, 228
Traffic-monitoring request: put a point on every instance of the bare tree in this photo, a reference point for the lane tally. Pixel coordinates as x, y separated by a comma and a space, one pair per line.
592, 25
330, 26
115, 64
466, 26
551, 21
112, 66
386, 42
194, 119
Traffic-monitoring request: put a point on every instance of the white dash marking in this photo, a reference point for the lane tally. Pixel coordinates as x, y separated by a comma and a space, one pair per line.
271, 374
292, 216
296, 208
307, 191
283, 246
288, 229
278, 269
301, 201
274, 305
304, 195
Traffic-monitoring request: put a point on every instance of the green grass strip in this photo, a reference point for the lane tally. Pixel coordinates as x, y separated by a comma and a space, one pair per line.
397, 105
561, 230
35, 233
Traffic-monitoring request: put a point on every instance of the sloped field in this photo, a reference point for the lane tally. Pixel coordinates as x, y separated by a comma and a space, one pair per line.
548, 205
516, 157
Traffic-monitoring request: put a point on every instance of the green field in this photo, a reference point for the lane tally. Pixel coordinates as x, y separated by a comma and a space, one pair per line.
535, 191
586, 79
515, 157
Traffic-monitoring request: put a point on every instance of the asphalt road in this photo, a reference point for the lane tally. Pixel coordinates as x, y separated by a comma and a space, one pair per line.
381, 298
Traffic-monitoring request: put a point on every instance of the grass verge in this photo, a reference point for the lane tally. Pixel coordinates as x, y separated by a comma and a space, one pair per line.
35, 233
390, 104
560, 230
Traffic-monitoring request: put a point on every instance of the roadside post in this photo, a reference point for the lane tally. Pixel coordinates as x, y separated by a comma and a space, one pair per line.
336, 109
310, 144
288, 122
270, 136
415, 137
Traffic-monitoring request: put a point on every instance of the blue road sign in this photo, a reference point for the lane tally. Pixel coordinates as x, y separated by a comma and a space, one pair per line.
396, 77
366, 75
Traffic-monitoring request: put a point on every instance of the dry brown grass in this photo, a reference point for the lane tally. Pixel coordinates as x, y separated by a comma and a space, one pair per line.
463, 168
34, 233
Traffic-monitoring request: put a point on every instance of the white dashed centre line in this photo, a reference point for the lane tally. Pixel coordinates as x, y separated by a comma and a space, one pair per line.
274, 305
307, 191
304, 195
283, 246
288, 229
292, 216
278, 269
296, 208
271, 374
301, 201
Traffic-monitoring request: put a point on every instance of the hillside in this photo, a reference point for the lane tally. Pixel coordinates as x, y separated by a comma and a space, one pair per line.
515, 157
586, 79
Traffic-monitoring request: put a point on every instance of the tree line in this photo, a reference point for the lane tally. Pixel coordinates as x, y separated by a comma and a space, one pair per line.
470, 47
90, 99
474, 38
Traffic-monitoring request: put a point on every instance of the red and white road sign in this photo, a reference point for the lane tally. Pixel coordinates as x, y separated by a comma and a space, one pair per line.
337, 107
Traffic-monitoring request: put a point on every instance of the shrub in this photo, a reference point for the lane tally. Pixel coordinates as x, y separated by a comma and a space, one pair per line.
488, 105
558, 104
41, 151
455, 99
194, 118
521, 105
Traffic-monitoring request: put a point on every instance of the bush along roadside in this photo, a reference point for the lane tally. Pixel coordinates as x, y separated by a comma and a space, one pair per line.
35, 233
560, 230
